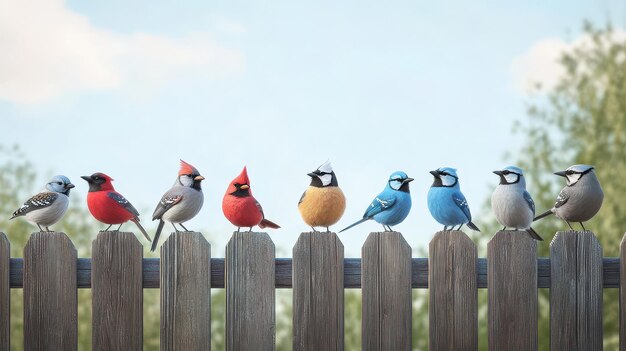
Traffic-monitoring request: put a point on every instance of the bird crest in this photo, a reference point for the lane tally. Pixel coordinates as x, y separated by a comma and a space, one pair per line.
242, 178
326, 167
186, 168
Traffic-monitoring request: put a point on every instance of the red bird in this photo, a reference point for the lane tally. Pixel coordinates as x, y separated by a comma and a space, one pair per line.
107, 205
241, 208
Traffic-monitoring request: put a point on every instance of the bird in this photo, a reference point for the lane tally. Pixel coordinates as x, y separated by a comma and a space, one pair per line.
181, 202
580, 199
323, 203
446, 203
392, 205
108, 206
48, 206
241, 208
511, 203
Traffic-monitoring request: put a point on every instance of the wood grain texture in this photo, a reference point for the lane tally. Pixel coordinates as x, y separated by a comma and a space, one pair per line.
50, 294
386, 304
250, 292
5, 294
318, 292
186, 293
453, 305
512, 291
576, 292
117, 294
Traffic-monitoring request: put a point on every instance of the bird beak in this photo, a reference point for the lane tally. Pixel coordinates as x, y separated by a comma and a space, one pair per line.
408, 180
435, 173
199, 178
87, 178
244, 187
561, 173
69, 186
312, 175
498, 173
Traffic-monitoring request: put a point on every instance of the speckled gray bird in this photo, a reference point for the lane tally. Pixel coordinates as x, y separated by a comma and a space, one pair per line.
581, 198
47, 207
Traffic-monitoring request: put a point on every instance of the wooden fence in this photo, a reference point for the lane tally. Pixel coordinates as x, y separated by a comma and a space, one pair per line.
117, 273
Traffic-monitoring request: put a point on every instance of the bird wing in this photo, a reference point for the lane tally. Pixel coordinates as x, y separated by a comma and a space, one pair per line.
460, 201
561, 199
380, 204
302, 197
36, 202
529, 201
258, 205
121, 200
167, 201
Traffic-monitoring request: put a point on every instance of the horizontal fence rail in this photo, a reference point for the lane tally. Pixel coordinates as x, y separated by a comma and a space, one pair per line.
351, 273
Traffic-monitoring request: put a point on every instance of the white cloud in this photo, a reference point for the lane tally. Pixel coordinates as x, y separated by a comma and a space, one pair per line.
540, 63
48, 50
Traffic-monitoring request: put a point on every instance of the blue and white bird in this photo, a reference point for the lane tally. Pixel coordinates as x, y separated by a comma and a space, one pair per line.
511, 203
446, 203
392, 205
47, 207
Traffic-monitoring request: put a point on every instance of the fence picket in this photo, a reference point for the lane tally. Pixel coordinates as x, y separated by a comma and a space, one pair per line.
452, 280
386, 283
512, 291
50, 293
186, 293
318, 292
250, 298
5, 293
576, 292
117, 293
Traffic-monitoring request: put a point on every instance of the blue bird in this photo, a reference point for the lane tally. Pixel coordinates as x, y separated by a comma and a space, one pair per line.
392, 205
446, 203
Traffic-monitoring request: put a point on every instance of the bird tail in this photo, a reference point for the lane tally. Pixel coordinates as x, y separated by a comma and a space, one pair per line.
155, 241
269, 224
353, 224
545, 214
143, 231
533, 234
472, 226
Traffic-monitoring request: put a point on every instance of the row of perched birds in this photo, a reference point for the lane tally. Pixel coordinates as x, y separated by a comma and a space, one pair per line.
323, 203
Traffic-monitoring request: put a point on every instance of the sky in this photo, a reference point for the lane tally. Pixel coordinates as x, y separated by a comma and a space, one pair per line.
129, 88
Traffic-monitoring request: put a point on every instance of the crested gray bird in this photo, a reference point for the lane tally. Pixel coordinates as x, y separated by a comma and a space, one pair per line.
580, 199
511, 203
48, 206
181, 203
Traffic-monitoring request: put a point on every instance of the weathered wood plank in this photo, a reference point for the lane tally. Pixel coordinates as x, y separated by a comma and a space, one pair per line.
512, 291
50, 294
453, 306
386, 304
5, 293
576, 292
186, 293
117, 294
318, 292
250, 292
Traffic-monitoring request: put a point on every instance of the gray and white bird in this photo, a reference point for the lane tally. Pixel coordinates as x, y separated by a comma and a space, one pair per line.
47, 207
181, 203
511, 203
581, 198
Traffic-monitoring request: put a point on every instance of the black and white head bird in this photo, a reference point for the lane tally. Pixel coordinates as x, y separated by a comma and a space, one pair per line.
323, 203
511, 203
580, 199
181, 203
48, 206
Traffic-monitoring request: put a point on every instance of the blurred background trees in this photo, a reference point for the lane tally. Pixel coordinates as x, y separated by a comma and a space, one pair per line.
581, 120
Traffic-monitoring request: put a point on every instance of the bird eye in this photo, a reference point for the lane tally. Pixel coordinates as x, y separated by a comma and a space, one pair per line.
569, 172
506, 172
59, 183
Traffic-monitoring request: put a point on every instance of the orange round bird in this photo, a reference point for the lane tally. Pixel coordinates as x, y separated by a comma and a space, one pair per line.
241, 208
323, 203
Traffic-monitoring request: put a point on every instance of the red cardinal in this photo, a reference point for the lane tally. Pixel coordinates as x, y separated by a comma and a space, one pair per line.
241, 208
107, 205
